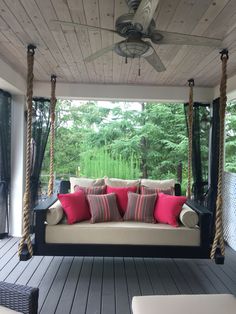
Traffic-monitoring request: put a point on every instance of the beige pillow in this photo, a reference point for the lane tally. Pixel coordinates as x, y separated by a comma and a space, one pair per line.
120, 182
188, 217
54, 213
85, 182
158, 184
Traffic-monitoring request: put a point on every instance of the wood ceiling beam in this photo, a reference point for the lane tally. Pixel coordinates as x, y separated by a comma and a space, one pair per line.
10, 80
123, 92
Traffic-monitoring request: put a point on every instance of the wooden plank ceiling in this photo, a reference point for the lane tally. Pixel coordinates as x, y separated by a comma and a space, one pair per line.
62, 49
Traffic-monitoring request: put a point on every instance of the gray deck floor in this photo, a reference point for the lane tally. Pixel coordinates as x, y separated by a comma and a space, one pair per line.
106, 285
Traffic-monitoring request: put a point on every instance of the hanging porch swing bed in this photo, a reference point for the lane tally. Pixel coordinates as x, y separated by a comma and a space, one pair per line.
122, 238
140, 238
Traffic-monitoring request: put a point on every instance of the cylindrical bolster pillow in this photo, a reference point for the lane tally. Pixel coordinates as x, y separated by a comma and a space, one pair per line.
55, 213
188, 217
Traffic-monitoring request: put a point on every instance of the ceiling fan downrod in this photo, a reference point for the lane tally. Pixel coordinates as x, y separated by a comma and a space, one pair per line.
133, 4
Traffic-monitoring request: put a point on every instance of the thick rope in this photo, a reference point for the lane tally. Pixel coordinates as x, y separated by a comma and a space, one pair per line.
52, 134
190, 136
27, 199
219, 237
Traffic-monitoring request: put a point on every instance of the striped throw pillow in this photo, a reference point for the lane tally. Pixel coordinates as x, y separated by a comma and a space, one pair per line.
91, 189
148, 191
140, 207
103, 208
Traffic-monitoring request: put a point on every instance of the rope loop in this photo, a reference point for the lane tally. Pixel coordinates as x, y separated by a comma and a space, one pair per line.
218, 243
190, 135
52, 133
27, 195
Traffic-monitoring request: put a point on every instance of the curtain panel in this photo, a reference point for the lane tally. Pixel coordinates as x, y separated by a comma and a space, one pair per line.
5, 159
40, 133
214, 158
201, 127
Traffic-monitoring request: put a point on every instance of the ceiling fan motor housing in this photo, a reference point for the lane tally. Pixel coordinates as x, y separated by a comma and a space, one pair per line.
133, 4
125, 27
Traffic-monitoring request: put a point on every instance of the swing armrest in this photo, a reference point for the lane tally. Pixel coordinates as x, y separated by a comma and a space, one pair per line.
199, 209
44, 205
205, 219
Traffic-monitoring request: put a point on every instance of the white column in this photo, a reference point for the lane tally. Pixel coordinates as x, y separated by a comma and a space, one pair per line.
17, 165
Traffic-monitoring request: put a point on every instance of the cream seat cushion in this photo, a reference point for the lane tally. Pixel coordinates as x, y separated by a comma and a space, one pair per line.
125, 232
5, 310
185, 304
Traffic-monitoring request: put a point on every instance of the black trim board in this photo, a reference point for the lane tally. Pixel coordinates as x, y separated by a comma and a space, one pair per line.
53, 249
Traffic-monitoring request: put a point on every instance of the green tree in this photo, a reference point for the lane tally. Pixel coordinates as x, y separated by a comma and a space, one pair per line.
230, 138
104, 141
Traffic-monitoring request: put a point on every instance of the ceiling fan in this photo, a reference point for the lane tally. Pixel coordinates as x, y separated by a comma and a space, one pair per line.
139, 25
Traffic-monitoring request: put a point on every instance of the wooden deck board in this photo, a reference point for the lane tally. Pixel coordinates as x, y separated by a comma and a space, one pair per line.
81, 294
108, 287
121, 289
67, 295
143, 277
169, 284
47, 281
132, 280
155, 277
88, 285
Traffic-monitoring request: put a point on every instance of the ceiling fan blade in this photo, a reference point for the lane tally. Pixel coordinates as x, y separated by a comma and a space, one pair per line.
184, 39
99, 53
144, 14
79, 25
155, 61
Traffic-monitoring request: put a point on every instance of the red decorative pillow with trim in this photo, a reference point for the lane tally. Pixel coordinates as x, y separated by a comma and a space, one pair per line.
147, 191
95, 190
168, 208
103, 208
121, 195
75, 206
140, 207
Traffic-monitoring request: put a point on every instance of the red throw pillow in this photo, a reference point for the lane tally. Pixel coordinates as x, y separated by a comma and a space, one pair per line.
140, 207
168, 208
75, 206
121, 196
103, 208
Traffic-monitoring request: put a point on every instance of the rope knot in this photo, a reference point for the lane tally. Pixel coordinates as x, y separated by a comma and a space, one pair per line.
191, 82
31, 49
53, 78
224, 54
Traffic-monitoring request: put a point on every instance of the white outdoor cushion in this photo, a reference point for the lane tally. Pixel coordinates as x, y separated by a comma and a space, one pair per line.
185, 304
188, 217
120, 182
158, 184
85, 182
54, 213
126, 232
5, 310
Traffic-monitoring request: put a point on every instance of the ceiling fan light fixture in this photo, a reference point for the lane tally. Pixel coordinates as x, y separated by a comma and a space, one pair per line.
132, 49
